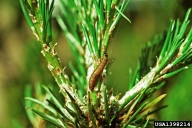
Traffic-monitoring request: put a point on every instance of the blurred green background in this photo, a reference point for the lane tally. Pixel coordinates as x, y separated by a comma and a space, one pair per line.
21, 62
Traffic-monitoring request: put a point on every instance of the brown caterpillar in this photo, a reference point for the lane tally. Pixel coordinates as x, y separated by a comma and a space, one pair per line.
98, 71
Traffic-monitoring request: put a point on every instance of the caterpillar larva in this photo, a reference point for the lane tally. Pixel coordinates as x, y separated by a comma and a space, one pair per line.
98, 71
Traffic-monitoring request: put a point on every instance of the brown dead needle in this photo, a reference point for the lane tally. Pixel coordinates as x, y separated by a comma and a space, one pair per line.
97, 72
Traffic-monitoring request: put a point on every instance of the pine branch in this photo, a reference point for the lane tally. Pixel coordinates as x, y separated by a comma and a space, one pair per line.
88, 26
174, 57
38, 15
